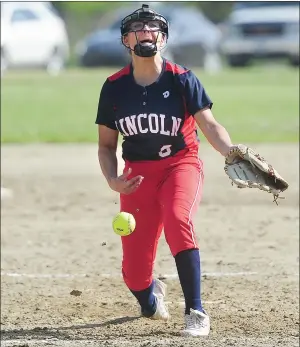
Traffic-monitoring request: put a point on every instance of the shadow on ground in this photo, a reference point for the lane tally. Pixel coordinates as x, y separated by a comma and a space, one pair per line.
42, 333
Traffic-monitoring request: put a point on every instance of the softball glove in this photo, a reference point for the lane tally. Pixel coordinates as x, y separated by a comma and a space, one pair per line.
247, 169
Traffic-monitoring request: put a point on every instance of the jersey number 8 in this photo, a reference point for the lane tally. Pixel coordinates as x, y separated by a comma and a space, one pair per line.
165, 151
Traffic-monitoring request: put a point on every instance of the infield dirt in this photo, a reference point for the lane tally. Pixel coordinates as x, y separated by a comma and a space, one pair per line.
57, 238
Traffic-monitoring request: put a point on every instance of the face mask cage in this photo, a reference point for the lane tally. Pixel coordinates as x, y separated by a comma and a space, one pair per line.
153, 25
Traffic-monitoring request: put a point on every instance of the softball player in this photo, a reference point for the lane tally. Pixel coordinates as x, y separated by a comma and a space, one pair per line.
155, 105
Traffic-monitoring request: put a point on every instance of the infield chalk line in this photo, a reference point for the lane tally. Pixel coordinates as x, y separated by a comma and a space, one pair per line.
59, 342
160, 276
182, 303
104, 275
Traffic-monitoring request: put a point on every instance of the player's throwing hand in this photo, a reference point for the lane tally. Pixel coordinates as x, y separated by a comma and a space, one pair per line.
122, 185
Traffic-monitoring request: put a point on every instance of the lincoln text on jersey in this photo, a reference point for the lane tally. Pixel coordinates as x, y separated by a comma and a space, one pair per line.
144, 123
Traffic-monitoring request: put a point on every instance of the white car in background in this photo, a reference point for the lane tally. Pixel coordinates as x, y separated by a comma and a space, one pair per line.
32, 35
262, 29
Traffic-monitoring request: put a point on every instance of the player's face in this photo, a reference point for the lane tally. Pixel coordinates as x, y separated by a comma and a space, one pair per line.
142, 32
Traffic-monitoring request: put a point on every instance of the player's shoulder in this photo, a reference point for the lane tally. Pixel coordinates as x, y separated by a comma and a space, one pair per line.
118, 76
175, 69
114, 83
180, 72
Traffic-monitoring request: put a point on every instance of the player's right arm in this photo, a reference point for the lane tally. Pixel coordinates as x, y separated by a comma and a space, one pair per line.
107, 146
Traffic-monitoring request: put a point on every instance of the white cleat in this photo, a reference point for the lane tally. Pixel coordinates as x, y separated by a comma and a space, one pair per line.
196, 324
159, 292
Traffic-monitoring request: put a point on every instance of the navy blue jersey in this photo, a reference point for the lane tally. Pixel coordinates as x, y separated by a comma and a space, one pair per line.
156, 121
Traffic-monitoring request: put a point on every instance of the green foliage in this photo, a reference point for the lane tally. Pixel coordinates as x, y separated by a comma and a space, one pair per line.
86, 7
216, 11
257, 104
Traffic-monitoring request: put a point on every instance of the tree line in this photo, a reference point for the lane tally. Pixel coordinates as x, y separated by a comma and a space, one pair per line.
216, 11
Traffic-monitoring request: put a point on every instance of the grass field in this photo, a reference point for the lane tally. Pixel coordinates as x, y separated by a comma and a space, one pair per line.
259, 104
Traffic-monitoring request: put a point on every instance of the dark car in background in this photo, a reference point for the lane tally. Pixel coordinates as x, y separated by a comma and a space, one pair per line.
192, 38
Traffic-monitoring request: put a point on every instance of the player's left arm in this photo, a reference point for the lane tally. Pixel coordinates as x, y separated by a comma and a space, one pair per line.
199, 105
214, 132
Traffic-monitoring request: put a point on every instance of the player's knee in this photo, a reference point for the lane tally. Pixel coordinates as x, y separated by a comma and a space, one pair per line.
136, 278
179, 232
176, 225
177, 218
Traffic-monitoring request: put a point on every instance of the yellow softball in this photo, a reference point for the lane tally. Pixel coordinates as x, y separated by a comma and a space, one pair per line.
123, 224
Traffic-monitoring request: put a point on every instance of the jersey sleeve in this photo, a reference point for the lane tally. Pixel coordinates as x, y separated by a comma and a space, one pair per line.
105, 113
195, 94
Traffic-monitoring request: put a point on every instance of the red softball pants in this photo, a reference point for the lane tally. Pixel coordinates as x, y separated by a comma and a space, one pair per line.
167, 199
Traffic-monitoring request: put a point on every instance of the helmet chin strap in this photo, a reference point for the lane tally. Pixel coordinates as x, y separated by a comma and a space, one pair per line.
147, 50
